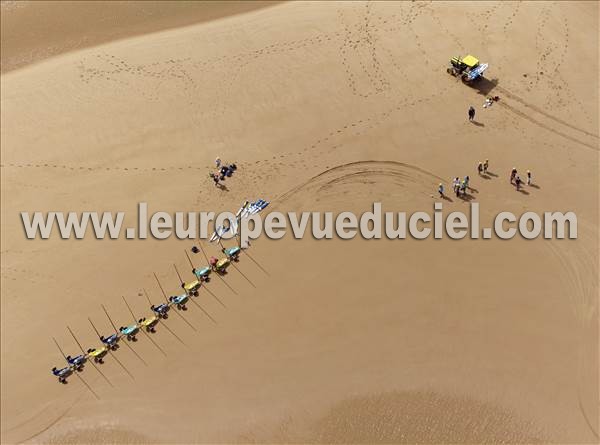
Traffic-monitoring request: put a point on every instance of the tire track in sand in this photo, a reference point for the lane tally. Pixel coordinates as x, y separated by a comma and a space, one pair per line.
580, 262
357, 169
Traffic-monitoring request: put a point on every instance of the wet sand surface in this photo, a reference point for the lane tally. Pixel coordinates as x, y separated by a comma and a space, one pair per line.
35, 30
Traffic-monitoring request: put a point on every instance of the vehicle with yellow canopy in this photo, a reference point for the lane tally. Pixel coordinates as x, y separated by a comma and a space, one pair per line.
192, 287
97, 354
468, 68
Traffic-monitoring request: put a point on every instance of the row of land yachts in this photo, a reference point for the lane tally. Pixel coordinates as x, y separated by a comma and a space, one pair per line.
147, 325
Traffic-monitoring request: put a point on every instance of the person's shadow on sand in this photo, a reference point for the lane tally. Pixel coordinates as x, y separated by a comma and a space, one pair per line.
535, 186
447, 198
493, 175
523, 191
478, 124
222, 187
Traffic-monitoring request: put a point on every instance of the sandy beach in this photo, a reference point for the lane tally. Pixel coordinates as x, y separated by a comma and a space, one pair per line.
323, 107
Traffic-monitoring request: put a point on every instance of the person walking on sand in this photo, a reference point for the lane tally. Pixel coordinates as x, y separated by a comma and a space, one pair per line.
528, 177
463, 188
441, 190
485, 166
480, 168
466, 181
215, 178
513, 173
218, 162
455, 185
518, 182
471, 113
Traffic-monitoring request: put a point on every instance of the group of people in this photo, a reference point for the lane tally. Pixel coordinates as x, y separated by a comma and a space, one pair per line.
460, 186
516, 179
223, 171
482, 167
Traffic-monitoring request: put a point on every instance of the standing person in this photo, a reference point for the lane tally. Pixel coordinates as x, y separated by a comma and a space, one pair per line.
218, 162
456, 185
485, 166
463, 188
528, 177
215, 177
518, 182
466, 181
513, 173
471, 113
222, 173
441, 190
479, 168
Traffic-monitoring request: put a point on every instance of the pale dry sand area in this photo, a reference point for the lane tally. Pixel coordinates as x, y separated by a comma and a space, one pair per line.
324, 106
